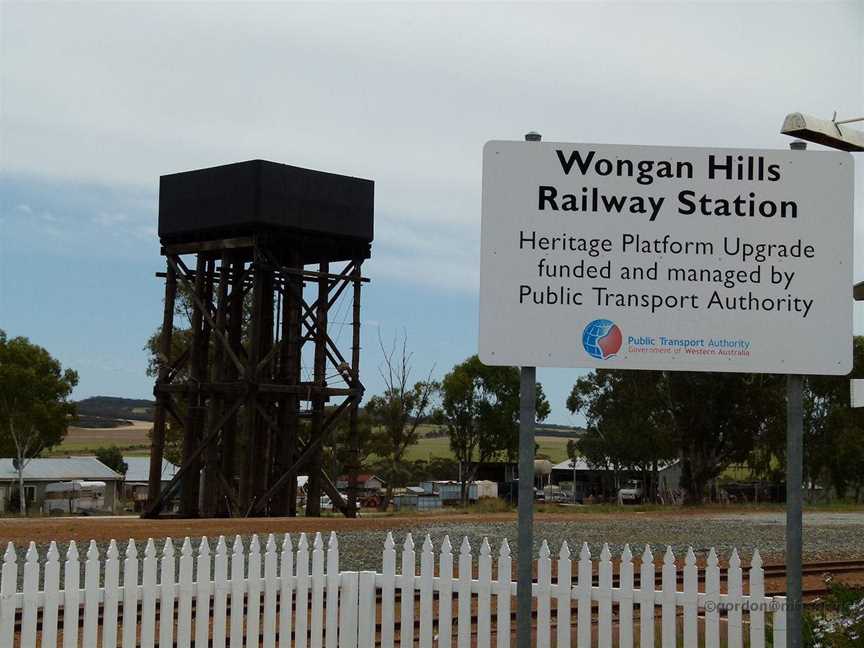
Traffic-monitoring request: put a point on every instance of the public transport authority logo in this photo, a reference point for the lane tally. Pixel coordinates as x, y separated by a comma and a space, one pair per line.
602, 339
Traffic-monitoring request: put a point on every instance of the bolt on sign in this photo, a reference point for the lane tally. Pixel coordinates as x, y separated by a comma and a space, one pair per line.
672, 258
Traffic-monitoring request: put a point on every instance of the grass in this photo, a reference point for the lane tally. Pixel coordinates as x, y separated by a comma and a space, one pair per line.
130, 439
439, 447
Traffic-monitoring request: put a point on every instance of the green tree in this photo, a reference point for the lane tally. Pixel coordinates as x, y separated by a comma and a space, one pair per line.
716, 419
113, 458
480, 408
338, 455
399, 412
34, 410
626, 426
834, 431
710, 420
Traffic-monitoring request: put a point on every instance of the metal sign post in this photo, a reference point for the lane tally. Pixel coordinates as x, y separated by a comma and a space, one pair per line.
527, 388
794, 521
794, 477
525, 575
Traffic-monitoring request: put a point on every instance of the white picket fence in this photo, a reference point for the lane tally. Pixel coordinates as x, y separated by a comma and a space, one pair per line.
312, 604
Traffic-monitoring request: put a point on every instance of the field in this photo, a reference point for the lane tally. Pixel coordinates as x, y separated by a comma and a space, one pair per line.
133, 440
431, 447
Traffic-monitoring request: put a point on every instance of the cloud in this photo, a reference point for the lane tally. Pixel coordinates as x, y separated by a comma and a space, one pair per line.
110, 219
24, 209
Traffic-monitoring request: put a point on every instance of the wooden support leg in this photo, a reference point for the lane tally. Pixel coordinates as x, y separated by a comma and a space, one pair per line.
229, 461
157, 442
355, 383
313, 500
212, 482
197, 360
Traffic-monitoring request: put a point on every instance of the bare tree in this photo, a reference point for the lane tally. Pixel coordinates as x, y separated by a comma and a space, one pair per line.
401, 409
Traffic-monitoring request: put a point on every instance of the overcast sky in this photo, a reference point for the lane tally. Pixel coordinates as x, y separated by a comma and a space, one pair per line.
98, 100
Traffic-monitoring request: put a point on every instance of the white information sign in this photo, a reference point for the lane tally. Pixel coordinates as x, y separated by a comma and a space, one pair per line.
646, 257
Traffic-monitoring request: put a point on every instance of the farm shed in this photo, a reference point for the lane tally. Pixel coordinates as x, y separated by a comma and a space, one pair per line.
600, 481
486, 489
39, 473
365, 483
449, 491
416, 497
138, 476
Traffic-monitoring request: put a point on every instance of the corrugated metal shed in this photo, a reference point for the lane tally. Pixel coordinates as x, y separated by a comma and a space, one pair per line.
138, 469
59, 469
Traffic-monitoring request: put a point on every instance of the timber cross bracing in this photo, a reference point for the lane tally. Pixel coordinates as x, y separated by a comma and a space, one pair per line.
235, 392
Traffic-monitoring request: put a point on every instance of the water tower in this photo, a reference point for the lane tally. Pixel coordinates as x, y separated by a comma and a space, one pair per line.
260, 253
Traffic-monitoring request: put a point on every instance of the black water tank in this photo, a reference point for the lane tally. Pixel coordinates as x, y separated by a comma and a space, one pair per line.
242, 198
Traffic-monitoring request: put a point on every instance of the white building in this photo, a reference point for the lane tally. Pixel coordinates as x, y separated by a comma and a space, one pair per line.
62, 473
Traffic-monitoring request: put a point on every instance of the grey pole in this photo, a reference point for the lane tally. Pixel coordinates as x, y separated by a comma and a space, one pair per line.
794, 478
527, 388
525, 577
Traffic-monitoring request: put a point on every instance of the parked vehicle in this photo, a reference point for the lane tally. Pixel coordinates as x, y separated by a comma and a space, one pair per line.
631, 493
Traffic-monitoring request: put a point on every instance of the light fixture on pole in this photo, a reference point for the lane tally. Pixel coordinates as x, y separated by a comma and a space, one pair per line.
836, 135
827, 132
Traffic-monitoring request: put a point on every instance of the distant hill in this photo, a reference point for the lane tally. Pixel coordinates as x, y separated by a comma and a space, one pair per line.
560, 431
110, 411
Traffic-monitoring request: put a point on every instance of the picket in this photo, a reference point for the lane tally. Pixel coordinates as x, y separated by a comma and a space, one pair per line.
185, 591
332, 607
668, 610
583, 613
388, 591
427, 577
779, 632
238, 569
563, 611
503, 596
647, 574
484, 595
202, 594
349, 610
148, 599
220, 593
604, 597
712, 601
445, 594
52, 597
286, 575
757, 609
625, 603
91, 595
166, 595
71, 596
336, 609
543, 596
734, 624
691, 595
406, 591
301, 619
463, 620
317, 623
253, 595
8, 586
366, 613
30, 610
